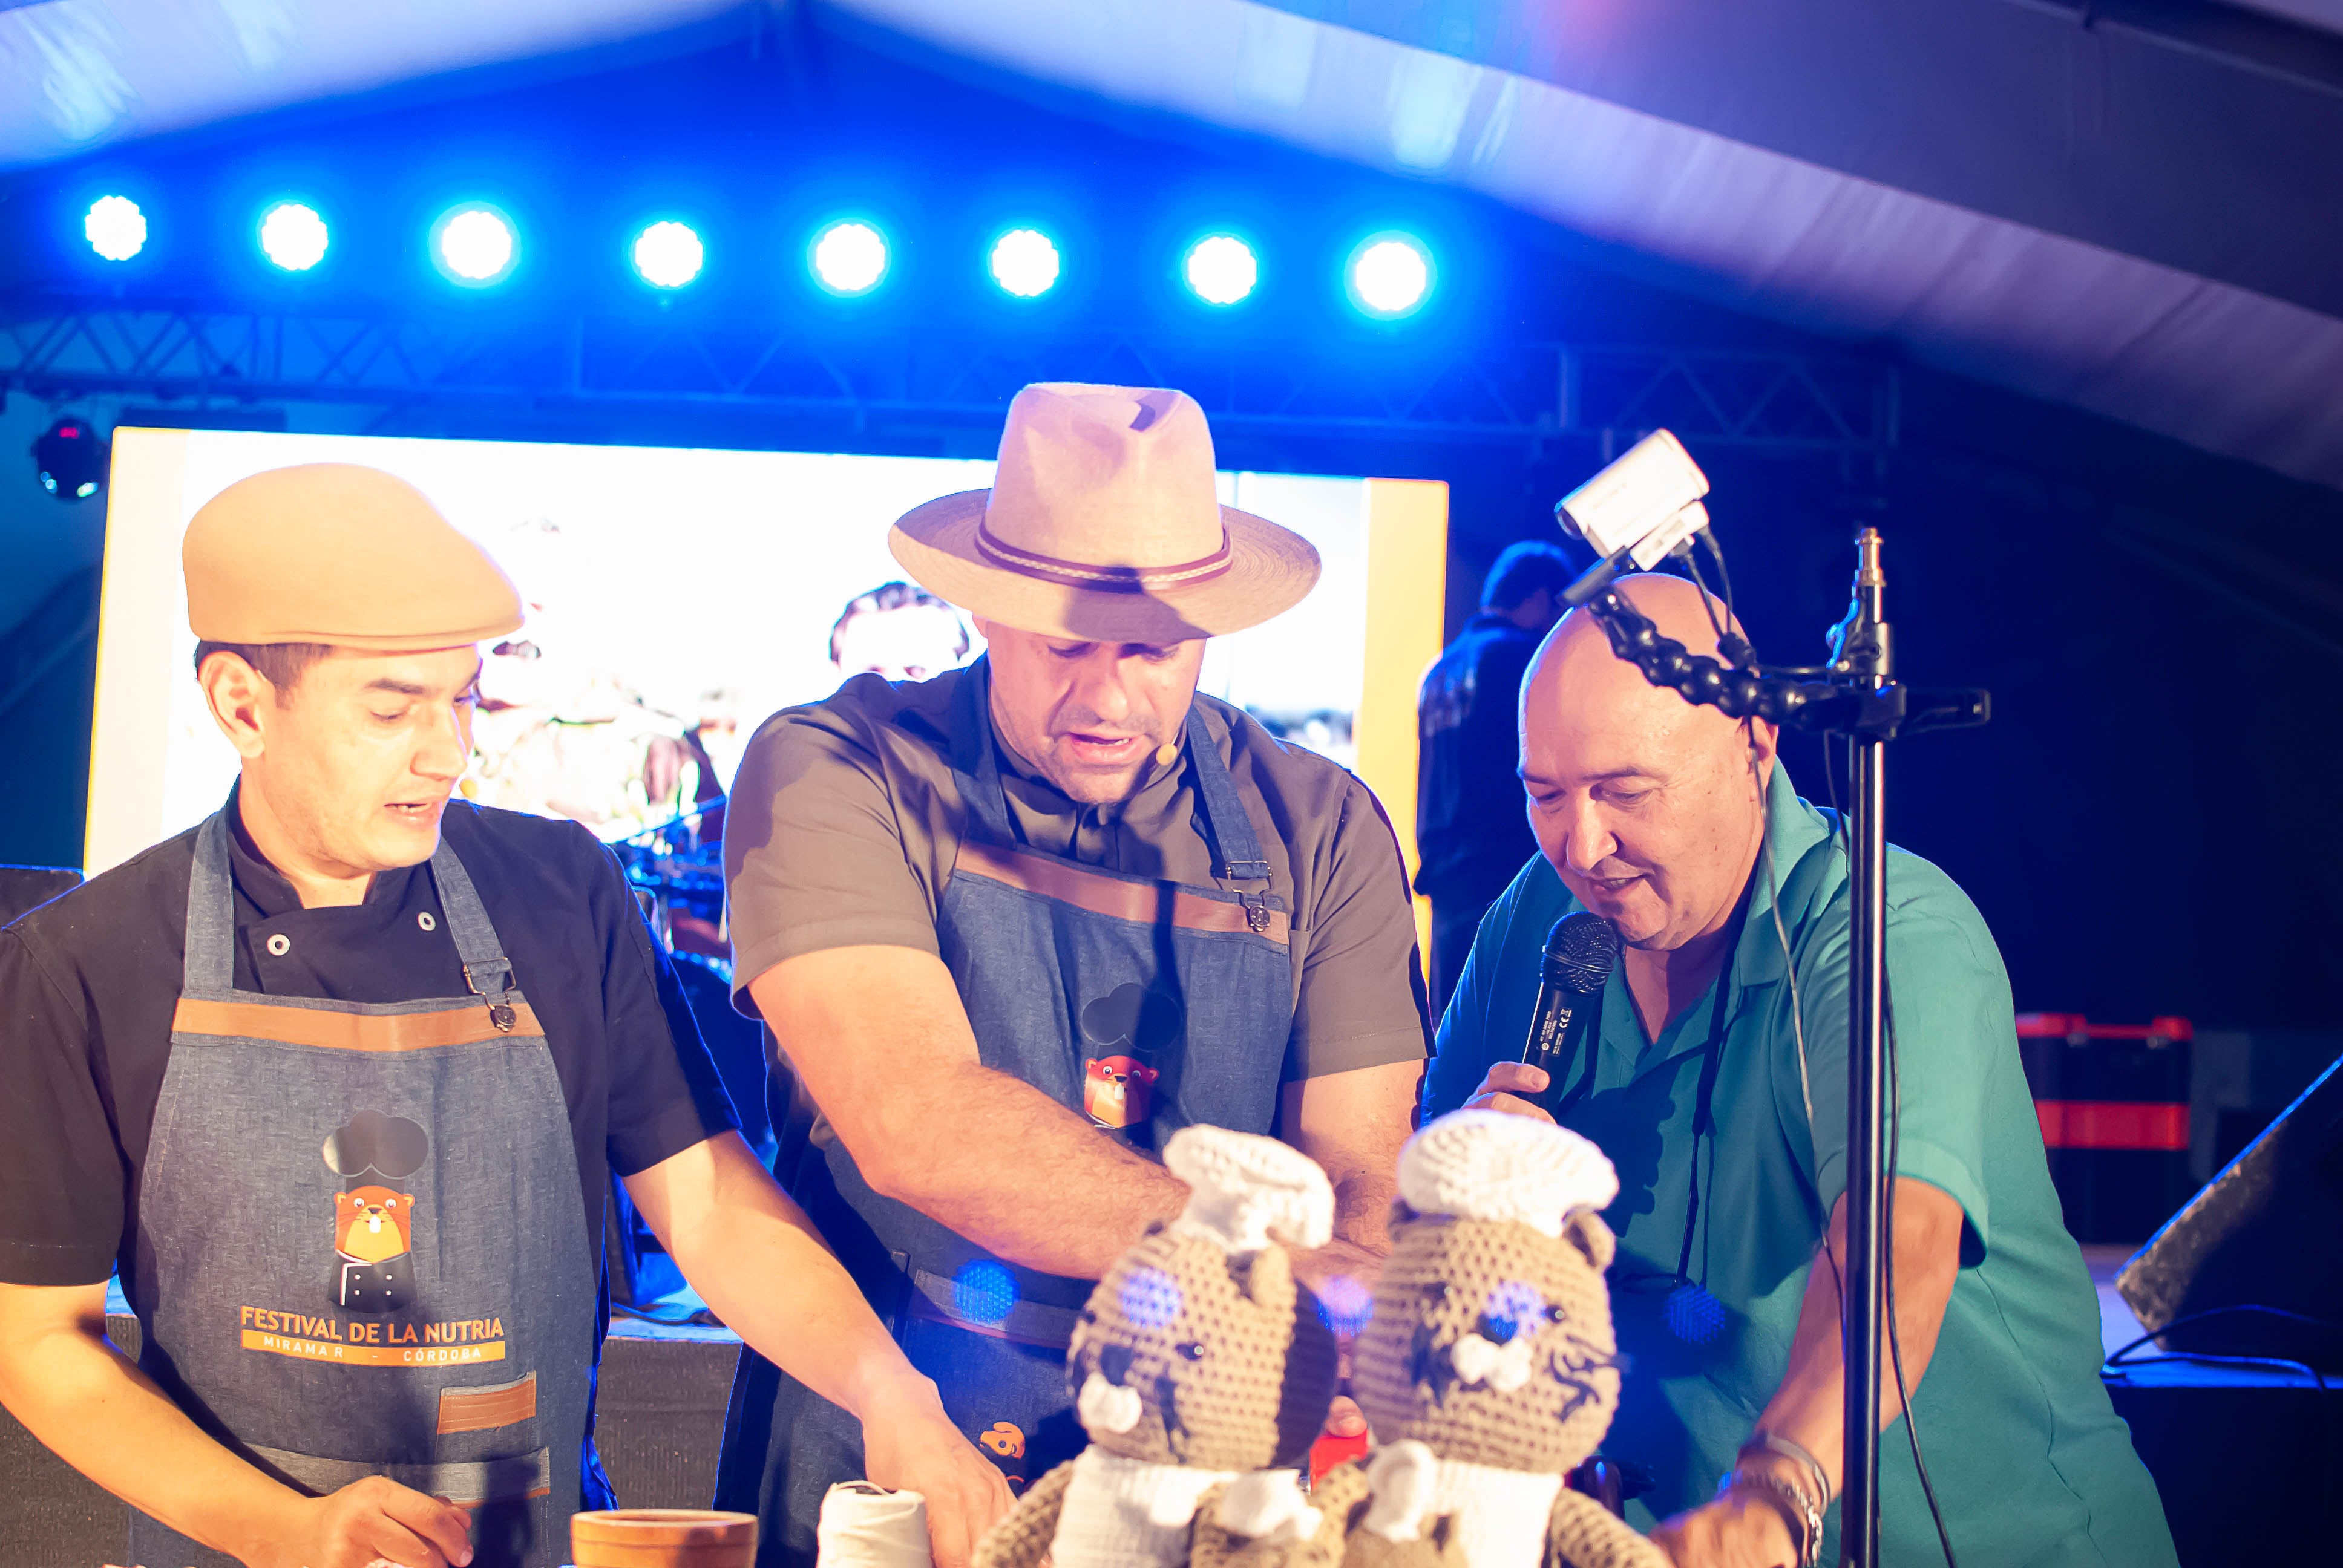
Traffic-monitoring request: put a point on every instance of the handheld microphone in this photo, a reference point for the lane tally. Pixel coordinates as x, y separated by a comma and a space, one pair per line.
1581, 952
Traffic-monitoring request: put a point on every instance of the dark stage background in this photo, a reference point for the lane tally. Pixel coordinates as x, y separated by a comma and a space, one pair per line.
2147, 823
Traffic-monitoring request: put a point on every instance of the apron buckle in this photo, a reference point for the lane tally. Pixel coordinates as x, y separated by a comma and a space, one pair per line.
1256, 908
502, 1015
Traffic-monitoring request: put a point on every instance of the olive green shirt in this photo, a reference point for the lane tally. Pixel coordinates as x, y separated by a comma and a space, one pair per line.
2031, 1464
845, 819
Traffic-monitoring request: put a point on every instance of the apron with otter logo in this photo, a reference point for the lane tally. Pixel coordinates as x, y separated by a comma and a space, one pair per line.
361, 1250
1146, 1006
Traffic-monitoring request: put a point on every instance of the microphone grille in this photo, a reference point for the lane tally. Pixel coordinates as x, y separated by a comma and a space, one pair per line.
1581, 952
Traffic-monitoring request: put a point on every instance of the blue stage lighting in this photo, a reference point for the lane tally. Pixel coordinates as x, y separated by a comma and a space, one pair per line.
474, 244
1221, 269
1389, 276
293, 235
669, 254
1025, 263
849, 257
115, 228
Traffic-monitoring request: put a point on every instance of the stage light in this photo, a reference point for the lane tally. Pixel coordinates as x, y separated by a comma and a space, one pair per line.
70, 459
293, 235
849, 258
1389, 276
668, 255
474, 244
1025, 263
1221, 269
115, 227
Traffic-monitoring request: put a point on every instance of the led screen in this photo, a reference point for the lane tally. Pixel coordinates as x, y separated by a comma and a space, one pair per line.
677, 597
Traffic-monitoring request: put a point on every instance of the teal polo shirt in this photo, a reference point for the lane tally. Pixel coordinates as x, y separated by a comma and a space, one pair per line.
2032, 1465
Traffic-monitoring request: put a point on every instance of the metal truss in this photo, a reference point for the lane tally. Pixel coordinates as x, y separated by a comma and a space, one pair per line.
1506, 394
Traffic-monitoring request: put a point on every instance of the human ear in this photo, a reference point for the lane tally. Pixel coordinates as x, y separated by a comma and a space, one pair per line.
1764, 746
237, 694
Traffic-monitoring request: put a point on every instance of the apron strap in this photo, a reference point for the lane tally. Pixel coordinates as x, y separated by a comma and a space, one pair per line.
209, 970
975, 758
1234, 843
486, 968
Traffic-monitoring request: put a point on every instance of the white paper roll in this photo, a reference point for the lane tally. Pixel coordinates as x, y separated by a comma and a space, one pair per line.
867, 1526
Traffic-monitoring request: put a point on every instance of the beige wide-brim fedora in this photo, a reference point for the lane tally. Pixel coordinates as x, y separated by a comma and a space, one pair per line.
1102, 524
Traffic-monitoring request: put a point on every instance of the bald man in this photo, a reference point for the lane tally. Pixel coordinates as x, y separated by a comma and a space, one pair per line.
1679, 826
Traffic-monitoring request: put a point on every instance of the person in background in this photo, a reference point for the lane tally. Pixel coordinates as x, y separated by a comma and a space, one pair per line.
1471, 832
336, 1080
1014, 926
1714, 1077
898, 632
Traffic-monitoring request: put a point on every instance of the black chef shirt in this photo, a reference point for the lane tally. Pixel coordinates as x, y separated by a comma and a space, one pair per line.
88, 983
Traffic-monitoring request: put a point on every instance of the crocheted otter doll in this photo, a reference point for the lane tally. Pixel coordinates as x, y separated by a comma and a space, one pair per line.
1487, 1371
1199, 1362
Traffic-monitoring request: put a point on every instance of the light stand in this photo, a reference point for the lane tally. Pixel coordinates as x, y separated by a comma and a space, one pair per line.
1862, 700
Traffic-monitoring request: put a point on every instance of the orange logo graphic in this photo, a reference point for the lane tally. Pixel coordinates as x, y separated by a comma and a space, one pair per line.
1004, 1440
1116, 1090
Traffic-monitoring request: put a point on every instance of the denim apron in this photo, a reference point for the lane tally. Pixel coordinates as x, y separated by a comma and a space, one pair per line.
360, 1245
1146, 1005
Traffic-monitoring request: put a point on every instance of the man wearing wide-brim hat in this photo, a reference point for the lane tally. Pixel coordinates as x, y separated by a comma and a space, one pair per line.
338, 1079
1014, 926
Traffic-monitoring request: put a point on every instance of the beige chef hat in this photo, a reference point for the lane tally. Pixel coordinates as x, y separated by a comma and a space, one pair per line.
341, 554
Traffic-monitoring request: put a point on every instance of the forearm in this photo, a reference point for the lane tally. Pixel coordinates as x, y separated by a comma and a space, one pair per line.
1349, 1265
1353, 1123
1809, 1407
878, 1038
1022, 1176
756, 1262
99, 1414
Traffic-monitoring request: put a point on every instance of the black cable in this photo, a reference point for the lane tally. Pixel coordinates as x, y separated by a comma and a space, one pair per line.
1895, 1339
2115, 1361
1895, 1160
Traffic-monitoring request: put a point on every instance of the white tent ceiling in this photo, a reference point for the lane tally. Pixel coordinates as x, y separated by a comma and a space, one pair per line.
2224, 365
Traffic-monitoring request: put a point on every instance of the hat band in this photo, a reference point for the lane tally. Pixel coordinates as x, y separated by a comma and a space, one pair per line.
1104, 580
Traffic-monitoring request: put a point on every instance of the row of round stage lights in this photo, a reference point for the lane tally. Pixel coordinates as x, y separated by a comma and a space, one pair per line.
1388, 275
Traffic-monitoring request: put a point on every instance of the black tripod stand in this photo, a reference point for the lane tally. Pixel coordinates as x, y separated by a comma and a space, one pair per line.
1859, 699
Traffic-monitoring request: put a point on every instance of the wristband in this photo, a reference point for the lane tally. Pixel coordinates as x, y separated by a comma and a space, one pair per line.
1797, 1508
1764, 1442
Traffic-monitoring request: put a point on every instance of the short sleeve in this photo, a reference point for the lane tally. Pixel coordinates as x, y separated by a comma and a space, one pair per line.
1950, 1004
666, 1095
1361, 1000
61, 1180
813, 850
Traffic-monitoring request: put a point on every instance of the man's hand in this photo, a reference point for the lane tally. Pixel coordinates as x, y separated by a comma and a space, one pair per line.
1507, 1081
369, 1522
1739, 1530
909, 1444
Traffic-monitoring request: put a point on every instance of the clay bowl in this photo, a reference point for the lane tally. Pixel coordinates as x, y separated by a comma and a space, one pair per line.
663, 1538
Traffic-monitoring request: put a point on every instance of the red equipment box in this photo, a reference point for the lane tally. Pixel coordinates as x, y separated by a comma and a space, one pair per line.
2113, 1101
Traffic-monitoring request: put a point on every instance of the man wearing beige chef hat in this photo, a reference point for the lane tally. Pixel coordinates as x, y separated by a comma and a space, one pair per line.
1014, 926
337, 1078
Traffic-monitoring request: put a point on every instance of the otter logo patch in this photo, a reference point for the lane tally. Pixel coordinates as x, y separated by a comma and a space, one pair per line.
374, 1221
1129, 1028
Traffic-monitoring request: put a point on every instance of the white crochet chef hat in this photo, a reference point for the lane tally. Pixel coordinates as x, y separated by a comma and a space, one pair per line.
1246, 1189
1487, 1165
